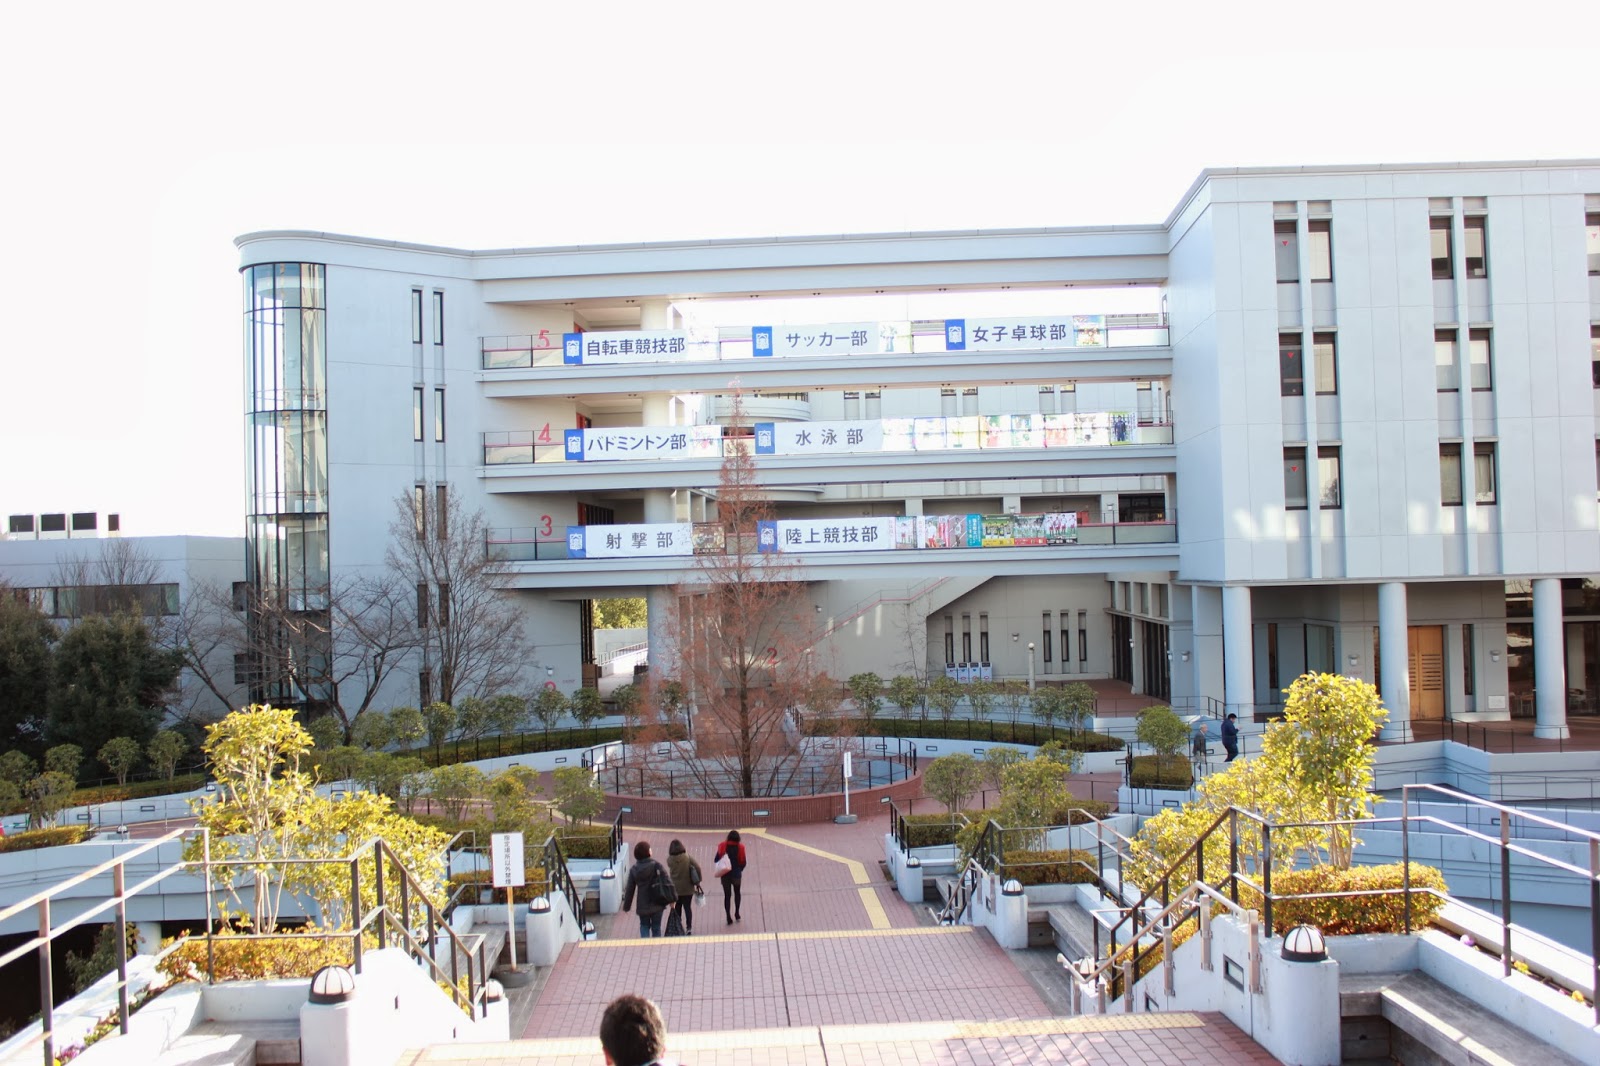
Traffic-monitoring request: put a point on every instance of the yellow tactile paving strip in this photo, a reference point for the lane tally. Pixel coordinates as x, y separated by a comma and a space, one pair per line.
660, 943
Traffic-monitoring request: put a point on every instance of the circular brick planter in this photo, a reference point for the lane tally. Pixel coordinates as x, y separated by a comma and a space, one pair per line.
779, 810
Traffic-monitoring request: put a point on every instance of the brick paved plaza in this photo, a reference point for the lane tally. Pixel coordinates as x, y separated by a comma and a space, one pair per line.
827, 967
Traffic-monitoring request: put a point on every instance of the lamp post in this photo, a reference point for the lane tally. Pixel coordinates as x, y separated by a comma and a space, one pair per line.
1030, 666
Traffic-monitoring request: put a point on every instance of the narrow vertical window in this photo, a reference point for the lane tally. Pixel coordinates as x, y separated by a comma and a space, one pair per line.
1594, 354
1319, 242
443, 610
416, 316
949, 641
438, 415
1046, 645
1294, 479
1066, 640
983, 638
1591, 237
966, 639
422, 604
438, 317
1329, 483
1480, 360
1474, 239
1446, 373
1442, 243
1272, 657
425, 686
1483, 473
419, 509
1291, 365
1469, 643
416, 413
1286, 250
1326, 348
1083, 638
441, 511
1450, 474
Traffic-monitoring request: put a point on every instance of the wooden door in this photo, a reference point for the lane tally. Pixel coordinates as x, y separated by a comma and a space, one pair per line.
1427, 672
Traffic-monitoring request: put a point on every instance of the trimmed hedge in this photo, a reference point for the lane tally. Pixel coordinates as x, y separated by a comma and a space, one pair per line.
1360, 914
45, 838
85, 797
497, 746
534, 885
1156, 771
963, 729
585, 843
931, 830
1050, 867
238, 959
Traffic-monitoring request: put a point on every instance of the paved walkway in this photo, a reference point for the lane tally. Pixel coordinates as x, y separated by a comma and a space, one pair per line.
827, 967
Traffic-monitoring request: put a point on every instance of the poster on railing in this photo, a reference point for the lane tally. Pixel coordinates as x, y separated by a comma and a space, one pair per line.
643, 442
833, 338
633, 346
648, 540
827, 535
1011, 334
951, 530
818, 438
1029, 530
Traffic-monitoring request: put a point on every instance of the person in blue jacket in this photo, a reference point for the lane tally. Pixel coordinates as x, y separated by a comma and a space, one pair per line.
1230, 737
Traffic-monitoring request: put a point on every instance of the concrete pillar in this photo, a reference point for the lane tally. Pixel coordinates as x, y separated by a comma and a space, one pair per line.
1010, 923
1108, 507
655, 314
656, 410
329, 1036
1301, 1010
908, 879
495, 1025
1394, 644
1136, 655
1238, 650
544, 943
1549, 661
1455, 679
1205, 603
149, 937
659, 605
610, 894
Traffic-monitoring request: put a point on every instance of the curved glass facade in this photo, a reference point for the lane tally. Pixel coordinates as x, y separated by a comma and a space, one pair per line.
286, 374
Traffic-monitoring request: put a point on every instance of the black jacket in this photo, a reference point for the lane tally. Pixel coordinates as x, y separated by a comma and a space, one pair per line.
639, 879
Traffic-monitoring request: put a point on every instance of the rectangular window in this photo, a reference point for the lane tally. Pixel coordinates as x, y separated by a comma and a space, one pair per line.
241, 595
422, 604
1446, 374
1291, 365
1328, 480
1083, 638
1594, 354
1326, 349
1294, 479
1319, 238
1469, 641
443, 611
438, 317
949, 643
1066, 642
441, 511
438, 415
1480, 360
966, 646
425, 686
983, 644
1045, 632
1483, 472
416, 413
1441, 240
419, 509
1591, 236
1450, 475
1474, 238
1272, 659
1287, 250
416, 316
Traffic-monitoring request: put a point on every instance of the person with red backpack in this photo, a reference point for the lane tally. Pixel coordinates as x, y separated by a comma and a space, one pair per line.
653, 883
729, 866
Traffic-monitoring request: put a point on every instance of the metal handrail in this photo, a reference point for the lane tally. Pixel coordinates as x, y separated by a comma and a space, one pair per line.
559, 878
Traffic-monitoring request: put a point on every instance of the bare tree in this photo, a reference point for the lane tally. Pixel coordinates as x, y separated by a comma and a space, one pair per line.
472, 637
339, 659
746, 630
121, 579
210, 632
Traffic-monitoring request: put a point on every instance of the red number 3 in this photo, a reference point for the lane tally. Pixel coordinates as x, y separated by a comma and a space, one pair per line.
546, 525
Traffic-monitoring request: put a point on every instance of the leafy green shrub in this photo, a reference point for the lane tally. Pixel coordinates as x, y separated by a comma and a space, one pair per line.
581, 845
45, 838
534, 885
1359, 914
86, 797
239, 959
1162, 771
965, 729
930, 830
1050, 867
1076, 814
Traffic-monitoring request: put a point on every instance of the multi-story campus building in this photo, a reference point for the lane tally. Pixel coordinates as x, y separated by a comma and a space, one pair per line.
1337, 419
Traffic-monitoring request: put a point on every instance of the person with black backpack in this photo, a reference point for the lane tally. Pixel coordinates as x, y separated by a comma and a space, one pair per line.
653, 884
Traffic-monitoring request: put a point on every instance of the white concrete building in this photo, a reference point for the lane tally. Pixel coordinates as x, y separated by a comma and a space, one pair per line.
1329, 419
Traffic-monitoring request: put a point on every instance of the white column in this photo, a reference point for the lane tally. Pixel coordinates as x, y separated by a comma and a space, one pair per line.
1206, 660
655, 314
1549, 661
659, 605
1238, 650
1108, 507
1394, 644
1136, 655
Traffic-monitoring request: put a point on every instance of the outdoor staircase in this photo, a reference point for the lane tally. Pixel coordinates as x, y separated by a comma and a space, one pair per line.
236, 1044
1413, 1019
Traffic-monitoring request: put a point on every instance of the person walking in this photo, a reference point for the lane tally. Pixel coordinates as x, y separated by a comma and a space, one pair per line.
1201, 748
1230, 737
685, 870
642, 879
730, 866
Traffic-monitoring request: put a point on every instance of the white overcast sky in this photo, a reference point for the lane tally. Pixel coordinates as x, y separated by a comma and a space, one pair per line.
137, 140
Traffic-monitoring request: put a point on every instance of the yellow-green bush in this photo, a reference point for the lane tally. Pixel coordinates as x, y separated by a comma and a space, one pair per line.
1359, 914
534, 885
930, 830
1075, 815
582, 844
45, 838
238, 959
1050, 867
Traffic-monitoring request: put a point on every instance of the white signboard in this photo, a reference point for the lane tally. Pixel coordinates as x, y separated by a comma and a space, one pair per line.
833, 338
625, 443
818, 438
1008, 334
630, 541
631, 346
506, 858
835, 535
